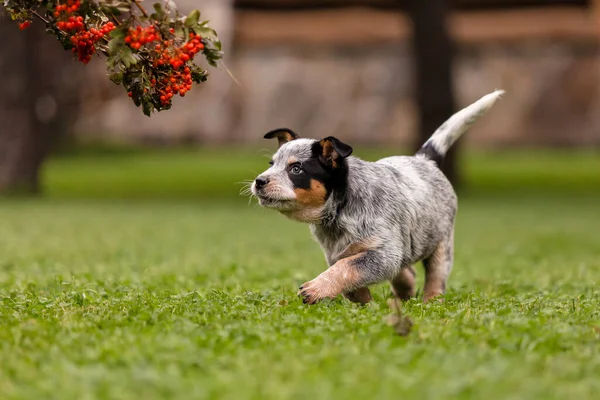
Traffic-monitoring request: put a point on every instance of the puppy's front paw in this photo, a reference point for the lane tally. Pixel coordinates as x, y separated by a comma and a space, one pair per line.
311, 292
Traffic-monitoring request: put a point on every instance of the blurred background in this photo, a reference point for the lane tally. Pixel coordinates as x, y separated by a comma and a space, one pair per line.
380, 74
137, 268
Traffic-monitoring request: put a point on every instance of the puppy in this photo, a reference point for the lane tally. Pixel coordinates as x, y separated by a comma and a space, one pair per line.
373, 220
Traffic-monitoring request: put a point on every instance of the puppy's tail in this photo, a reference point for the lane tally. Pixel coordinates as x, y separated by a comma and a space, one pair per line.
444, 137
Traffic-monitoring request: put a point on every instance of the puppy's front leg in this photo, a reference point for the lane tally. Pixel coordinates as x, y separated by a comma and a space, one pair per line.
345, 276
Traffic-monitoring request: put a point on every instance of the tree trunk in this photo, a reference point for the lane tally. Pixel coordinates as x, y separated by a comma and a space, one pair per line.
33, 67
433, 52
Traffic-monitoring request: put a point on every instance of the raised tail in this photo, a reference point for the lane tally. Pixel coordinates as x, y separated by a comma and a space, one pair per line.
443, 138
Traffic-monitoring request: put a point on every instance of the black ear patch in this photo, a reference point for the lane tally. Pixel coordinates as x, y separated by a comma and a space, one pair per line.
283, 136
332, 151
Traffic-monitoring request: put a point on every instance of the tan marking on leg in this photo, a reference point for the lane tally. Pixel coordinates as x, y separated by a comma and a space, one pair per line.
359, 247
403, 284
361, 295
341, 277
436, 272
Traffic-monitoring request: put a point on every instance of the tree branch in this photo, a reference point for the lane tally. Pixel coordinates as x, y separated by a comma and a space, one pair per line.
40, 17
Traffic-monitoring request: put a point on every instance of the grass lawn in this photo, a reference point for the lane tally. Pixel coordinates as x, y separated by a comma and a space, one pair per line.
107, 296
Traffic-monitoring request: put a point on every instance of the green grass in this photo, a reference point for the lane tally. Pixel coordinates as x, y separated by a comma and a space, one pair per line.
194, 298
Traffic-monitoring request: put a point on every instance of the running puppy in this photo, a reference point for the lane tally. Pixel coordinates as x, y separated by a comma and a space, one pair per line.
374, 220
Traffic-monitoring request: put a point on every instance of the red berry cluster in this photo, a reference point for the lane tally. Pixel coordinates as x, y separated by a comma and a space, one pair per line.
180, 56
84, 41
69, 8
68, 22
71, 24
150, 56
177, 82
190, 49
141, 36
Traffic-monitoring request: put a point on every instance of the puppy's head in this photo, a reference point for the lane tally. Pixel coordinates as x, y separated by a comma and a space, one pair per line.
302, 175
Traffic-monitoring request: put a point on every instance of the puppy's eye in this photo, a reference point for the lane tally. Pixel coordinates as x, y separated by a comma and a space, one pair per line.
296, 169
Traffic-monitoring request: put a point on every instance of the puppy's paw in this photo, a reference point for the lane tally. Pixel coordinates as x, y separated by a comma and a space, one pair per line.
433, 297
311, 292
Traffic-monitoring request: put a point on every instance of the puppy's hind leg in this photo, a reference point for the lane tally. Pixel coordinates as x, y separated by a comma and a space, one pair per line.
403, 284
437, 269
361, 295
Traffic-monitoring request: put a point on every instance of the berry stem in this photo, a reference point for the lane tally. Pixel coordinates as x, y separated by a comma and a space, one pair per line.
144, 13
114, 19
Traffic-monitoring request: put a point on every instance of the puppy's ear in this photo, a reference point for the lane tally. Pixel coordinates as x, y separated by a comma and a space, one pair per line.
332, 150
283, 136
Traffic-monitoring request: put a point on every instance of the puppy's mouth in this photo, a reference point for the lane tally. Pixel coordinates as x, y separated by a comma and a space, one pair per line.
272, 202
269, 198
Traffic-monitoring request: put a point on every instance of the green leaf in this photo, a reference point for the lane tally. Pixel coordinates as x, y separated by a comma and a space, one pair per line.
119, 32
109, 9
192, 19
127, 56
205, 31
179, 31
147, 106
116, 78
114, 45
199, 75
159, 10
123, 7
111, 61
136, 98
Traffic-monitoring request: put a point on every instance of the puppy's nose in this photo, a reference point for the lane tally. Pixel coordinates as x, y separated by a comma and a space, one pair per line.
261, 182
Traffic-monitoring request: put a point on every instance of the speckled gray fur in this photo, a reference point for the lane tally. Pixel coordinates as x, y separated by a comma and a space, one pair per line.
406, 203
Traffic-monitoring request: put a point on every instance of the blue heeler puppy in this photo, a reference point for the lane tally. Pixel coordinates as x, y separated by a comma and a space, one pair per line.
374, 220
